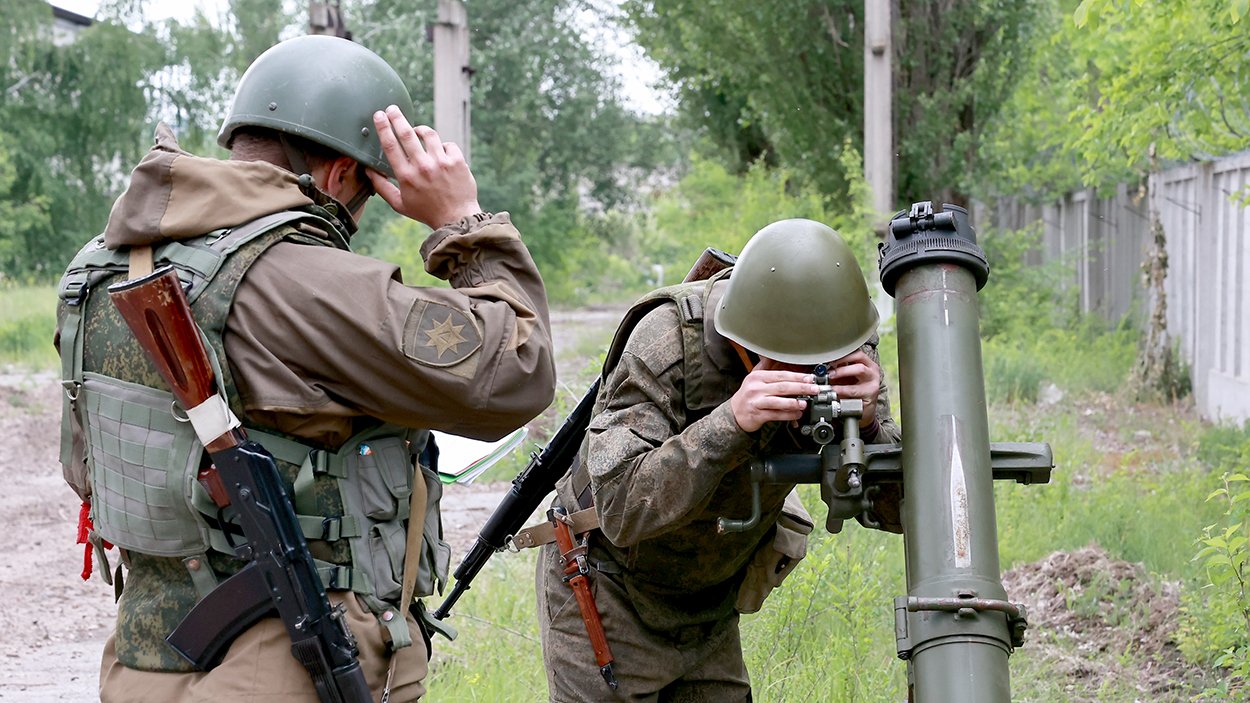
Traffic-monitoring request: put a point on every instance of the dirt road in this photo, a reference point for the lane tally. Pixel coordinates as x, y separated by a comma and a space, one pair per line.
53, 624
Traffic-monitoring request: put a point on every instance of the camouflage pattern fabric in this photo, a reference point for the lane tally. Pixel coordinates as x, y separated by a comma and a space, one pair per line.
696, 664
661, 474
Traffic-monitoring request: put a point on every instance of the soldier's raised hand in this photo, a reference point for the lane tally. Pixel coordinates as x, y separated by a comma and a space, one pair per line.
436, 186
856, 375
768, 395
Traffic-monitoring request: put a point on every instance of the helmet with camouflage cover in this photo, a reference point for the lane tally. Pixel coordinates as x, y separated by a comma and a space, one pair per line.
797, 295
322, 88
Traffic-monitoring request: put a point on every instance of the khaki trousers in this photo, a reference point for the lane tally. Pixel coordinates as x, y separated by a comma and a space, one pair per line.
259, 667
699, 665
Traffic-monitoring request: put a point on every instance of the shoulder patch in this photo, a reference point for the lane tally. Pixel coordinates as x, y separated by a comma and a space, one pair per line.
438, 335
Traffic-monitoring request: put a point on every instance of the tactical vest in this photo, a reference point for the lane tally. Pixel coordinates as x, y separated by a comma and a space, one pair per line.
128, 448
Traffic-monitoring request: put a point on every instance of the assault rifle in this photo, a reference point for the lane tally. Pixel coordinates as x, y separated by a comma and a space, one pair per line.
538, 479
280, 574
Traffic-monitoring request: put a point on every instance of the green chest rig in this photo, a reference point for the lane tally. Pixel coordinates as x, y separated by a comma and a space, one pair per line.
128, 449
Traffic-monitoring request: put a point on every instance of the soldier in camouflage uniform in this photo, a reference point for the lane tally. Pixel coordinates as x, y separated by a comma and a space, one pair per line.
686, 403
329, 360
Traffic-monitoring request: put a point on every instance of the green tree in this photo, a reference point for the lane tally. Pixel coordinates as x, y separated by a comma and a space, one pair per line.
71, 121
1109, 81
1116, 89
784, 81
552, 140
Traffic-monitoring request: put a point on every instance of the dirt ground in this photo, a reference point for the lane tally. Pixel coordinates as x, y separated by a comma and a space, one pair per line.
53, 624
1100, 621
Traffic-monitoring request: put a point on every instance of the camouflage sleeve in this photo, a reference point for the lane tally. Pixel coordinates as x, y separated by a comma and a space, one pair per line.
316, 331
650, 471
888, 430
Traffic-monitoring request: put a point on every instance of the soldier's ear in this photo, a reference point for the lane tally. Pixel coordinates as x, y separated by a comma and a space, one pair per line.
341, 177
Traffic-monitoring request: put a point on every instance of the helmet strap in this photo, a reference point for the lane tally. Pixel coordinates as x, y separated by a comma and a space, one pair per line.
358, 200
294, 156
744, 355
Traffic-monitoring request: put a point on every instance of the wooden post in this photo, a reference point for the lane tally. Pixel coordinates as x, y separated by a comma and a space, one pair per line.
451, 74
878, 108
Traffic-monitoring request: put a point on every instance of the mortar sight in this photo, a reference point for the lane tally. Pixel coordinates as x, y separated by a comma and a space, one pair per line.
923, 236
821, 410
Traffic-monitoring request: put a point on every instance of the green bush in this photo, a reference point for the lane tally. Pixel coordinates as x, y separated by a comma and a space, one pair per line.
1086, 356
1033, 334
1216, 628
713, 207
1012, 372
1023, 299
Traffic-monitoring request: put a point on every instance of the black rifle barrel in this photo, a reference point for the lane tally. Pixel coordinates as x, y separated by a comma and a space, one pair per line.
528, 490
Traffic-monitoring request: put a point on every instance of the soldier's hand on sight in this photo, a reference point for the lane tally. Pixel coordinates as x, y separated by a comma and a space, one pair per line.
436, 186
768, 395
856, 375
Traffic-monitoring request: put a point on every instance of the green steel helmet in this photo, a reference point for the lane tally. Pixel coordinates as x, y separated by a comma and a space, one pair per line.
797, 295
322, 88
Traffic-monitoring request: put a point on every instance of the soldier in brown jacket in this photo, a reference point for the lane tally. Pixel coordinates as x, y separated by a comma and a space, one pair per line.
706, 381
331, 362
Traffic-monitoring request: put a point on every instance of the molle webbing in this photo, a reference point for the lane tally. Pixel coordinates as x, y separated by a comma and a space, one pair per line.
198, 263
351, 502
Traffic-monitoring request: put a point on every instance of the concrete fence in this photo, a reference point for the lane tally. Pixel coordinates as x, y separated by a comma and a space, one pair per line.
1208, 295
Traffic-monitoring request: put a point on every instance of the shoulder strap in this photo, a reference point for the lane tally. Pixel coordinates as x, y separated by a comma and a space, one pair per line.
691, 301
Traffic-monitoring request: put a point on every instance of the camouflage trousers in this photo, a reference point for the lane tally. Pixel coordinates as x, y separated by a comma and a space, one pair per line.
693, 665
259, 667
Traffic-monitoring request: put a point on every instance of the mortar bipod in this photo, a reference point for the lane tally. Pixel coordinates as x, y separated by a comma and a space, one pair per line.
1023, 462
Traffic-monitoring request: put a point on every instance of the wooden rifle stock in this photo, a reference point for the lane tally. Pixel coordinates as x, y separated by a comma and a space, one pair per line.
711, 262
159, 316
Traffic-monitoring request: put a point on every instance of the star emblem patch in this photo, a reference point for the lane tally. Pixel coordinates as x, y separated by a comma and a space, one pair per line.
444, 337
438, 335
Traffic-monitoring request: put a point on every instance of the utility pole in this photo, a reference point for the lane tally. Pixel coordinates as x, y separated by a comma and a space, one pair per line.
327, 18
451, 74
878, 107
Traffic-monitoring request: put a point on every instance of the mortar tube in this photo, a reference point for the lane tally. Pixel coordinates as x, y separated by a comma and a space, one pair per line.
950, 531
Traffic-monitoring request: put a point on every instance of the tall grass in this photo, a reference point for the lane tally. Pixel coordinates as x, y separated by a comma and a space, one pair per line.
827, 633
497, 657
27, 324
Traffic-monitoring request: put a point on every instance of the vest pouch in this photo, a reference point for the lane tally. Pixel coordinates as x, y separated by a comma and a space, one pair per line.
376, 485
384, 466
143, 463
385, 558
776, 558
